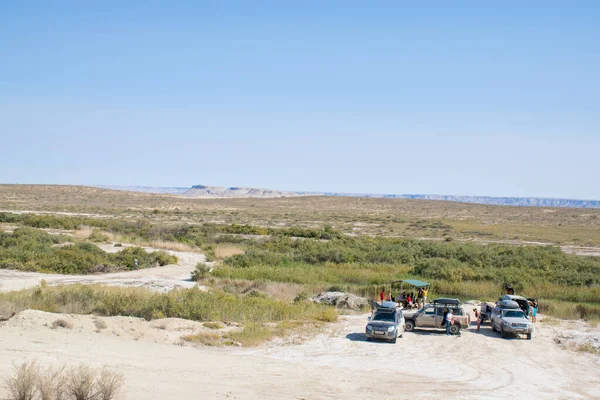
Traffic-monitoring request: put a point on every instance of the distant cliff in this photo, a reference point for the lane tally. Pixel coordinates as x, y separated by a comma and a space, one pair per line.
219, 191
197, 191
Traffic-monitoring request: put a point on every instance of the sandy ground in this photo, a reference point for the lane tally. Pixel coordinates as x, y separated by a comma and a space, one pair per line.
159, 279
336, 364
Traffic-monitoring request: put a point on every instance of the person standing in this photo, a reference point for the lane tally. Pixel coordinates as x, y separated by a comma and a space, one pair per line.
448, 321
135, 264
534, 315
425, 291
382, 295
477, 318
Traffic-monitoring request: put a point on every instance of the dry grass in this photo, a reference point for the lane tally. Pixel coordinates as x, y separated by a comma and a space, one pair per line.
206, 339
588, 348
213, 325
52, 384
278, 290
224, 251
22, 385
29, 382
84, 232
157, 244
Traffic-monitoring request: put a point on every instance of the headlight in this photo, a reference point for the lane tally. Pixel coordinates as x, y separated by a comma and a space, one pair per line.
505, 323
391, 329
369, 328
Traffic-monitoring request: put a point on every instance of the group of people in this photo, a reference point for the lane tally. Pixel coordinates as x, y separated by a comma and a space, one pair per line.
407, 300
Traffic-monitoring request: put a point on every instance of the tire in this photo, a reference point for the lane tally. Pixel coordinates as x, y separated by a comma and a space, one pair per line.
502, 333
394, 340
409, 326
369, 339
454, 330
493, 327
529, 336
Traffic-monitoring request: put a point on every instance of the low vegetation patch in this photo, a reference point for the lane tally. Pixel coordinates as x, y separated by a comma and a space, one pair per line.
30, 249
193, 304
213, 325
253, 333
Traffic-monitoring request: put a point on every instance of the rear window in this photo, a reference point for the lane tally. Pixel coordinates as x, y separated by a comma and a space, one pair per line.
390, 317
514, 314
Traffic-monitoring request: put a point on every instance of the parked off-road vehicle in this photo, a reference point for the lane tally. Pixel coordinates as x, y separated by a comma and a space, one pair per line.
432, 316
509, 318
386, 322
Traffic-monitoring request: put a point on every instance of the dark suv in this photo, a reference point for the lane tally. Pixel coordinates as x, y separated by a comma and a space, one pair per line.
386, 322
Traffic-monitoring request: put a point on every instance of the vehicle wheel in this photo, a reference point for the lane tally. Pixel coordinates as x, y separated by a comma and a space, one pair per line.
409, 326
454, 329
502, 333
368, 339
394, 340
529, 336
493, 327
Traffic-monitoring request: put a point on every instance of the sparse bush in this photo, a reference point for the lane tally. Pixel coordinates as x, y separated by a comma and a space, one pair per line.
62, 323
22, 385
80, 383
301, 297
98, 237
29, 382
201, 272
108, 384
52, 384
99, 324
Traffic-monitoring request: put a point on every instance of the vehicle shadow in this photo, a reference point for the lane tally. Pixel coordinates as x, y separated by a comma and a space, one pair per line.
361, 337
356, 337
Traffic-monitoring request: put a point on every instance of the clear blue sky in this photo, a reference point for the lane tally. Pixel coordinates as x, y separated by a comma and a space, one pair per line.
440, 97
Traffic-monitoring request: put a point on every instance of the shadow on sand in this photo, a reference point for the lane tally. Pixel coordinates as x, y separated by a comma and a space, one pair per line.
361, 337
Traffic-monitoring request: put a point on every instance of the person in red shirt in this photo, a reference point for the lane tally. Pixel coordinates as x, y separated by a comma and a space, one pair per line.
382, 295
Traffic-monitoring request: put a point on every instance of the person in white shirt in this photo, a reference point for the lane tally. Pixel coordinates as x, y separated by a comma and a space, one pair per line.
448, 321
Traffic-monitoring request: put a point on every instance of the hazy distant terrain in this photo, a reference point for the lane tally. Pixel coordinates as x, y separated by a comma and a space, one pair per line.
198, 191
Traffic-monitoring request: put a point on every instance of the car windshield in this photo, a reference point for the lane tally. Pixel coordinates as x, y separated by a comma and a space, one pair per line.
514, 314
384, 317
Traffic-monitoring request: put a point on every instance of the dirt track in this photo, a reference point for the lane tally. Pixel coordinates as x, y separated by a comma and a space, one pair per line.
337, 364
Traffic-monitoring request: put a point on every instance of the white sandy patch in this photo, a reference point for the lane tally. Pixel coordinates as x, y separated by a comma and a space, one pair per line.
336, 365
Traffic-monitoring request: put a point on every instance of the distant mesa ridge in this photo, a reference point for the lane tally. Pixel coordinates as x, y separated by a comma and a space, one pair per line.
236, 191
198, 191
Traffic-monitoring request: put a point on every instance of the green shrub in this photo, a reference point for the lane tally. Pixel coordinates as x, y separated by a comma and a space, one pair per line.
201, 272
34, 250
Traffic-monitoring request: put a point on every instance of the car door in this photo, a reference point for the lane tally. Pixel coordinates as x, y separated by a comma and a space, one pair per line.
496, 314
400, 325
428, 317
